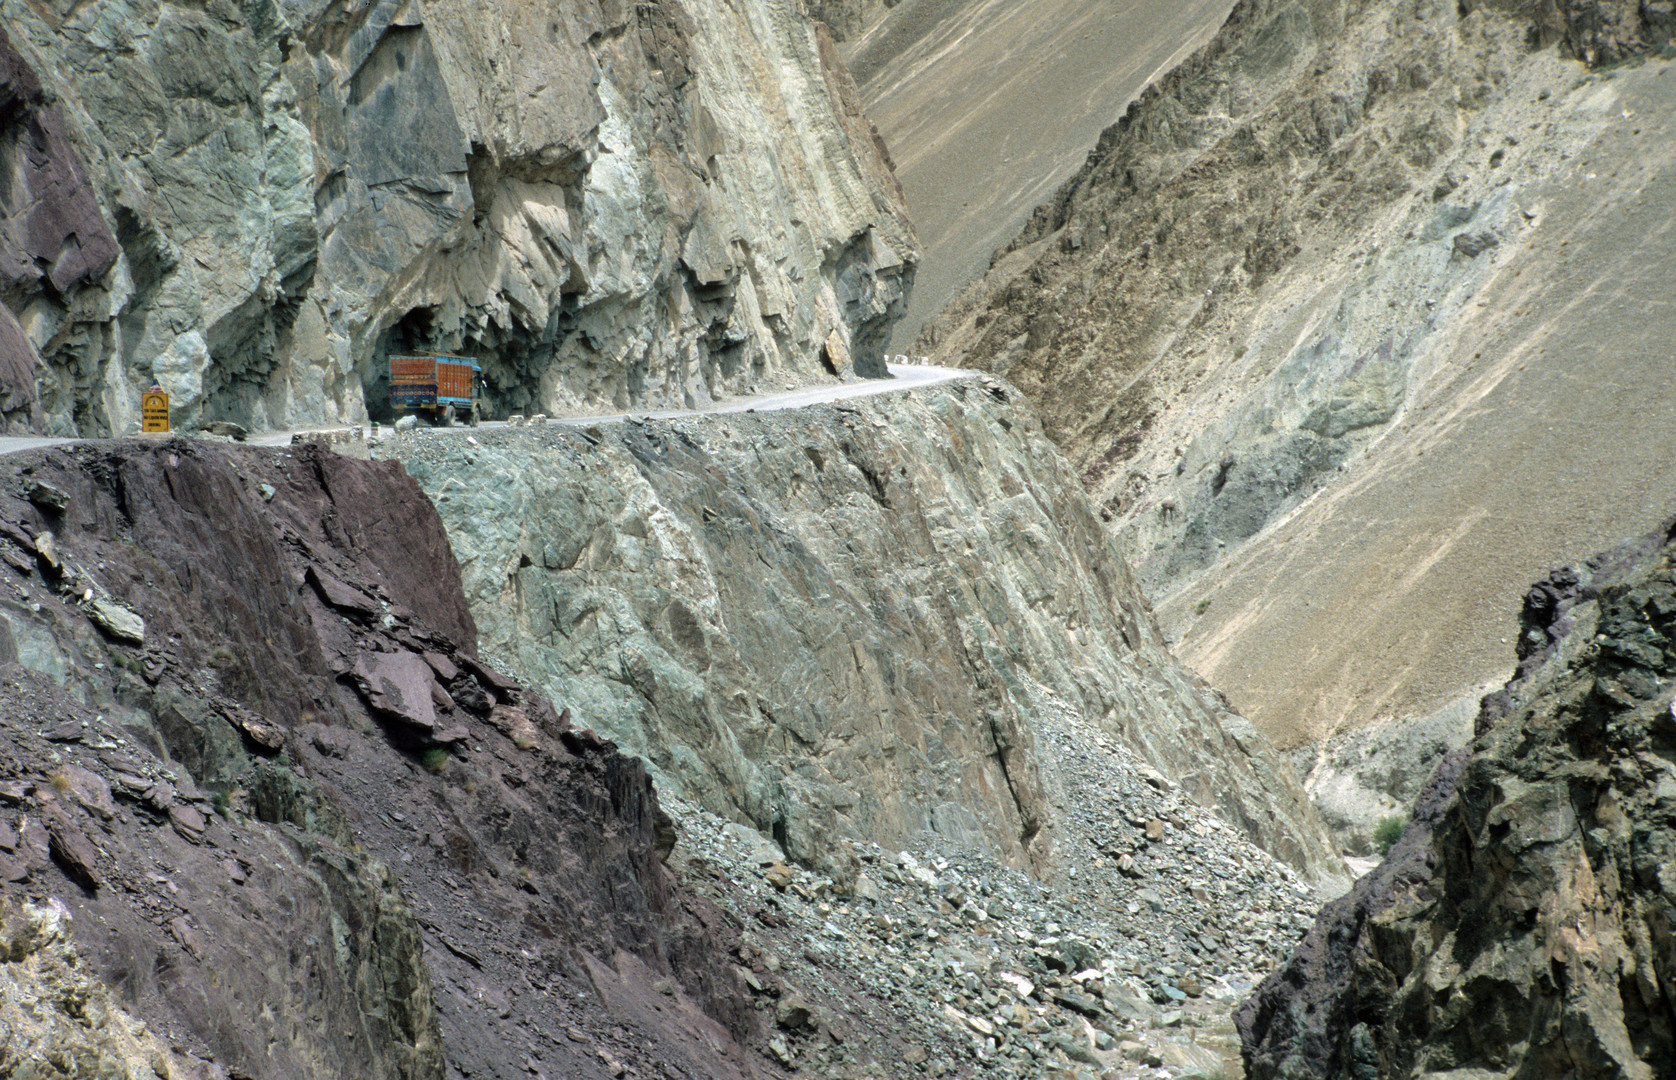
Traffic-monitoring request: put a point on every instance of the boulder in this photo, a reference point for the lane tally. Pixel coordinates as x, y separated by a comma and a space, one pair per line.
116, 620
398, 684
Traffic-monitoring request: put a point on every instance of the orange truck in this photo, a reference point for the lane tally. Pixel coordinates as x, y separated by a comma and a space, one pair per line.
445, 388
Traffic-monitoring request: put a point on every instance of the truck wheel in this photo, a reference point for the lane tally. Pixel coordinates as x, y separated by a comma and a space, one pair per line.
476, 415
448, 416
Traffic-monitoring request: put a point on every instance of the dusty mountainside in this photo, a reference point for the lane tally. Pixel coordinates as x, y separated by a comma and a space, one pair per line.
1522, 927
1310, 324
843, 623
963, 92
254, 204
254, 771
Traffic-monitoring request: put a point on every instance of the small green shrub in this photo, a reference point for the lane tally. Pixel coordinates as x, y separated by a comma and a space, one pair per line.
1202, 606
434, 759
1388, 832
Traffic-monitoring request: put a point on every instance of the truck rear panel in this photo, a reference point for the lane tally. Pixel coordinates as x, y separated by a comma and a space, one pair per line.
454, 381
432, 382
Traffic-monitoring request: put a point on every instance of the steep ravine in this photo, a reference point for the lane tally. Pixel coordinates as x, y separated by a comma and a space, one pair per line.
254, 204
843, 623
1312, 324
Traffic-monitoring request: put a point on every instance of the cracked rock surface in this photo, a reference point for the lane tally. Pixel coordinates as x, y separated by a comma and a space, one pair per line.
301, 829
840, 623
1522, 925
254, 204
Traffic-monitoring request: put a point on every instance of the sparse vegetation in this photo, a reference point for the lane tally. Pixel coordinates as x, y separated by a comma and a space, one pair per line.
435, 759
1387, 833
223, 657
1202, 606
60, 782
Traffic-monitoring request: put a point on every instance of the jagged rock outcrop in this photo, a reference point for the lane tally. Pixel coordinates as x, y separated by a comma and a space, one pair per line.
608, 204
302, 827
1522, 926
839, 623
1307, 324
53, 239
61, 1021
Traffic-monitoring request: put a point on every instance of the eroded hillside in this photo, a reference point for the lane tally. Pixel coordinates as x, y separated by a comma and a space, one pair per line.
254, 204
988, 106
255, 778
1352, 326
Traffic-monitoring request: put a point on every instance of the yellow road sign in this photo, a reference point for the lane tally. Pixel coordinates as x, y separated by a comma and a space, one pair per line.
154, 410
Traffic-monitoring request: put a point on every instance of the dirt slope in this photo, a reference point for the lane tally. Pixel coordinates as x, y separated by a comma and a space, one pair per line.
988, 105
1536, 431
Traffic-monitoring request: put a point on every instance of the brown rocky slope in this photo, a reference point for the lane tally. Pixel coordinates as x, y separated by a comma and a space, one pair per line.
1523, 925
297, 828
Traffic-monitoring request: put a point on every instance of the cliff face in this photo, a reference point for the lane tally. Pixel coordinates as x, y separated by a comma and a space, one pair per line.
841, 623
1522, 927
608, 204
1308, 324
284, 814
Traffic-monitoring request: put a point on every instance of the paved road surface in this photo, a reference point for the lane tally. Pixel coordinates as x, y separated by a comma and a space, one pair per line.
906, 377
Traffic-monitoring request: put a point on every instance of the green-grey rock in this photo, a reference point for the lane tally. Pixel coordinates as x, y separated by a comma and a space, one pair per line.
116, 620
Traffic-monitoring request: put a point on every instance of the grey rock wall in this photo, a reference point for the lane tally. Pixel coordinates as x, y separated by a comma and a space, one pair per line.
841, 623
607, 204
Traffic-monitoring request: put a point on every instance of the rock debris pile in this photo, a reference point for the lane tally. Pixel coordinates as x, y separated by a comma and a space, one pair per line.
942, 962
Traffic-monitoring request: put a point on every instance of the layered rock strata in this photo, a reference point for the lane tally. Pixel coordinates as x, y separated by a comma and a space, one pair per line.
1522, 926
840, 623
293, 821
606, 204
1309, 324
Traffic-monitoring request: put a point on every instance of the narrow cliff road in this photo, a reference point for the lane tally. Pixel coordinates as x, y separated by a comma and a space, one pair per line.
904, 377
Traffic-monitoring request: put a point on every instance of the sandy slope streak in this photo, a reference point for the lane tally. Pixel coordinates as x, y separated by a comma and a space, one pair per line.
987, 105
